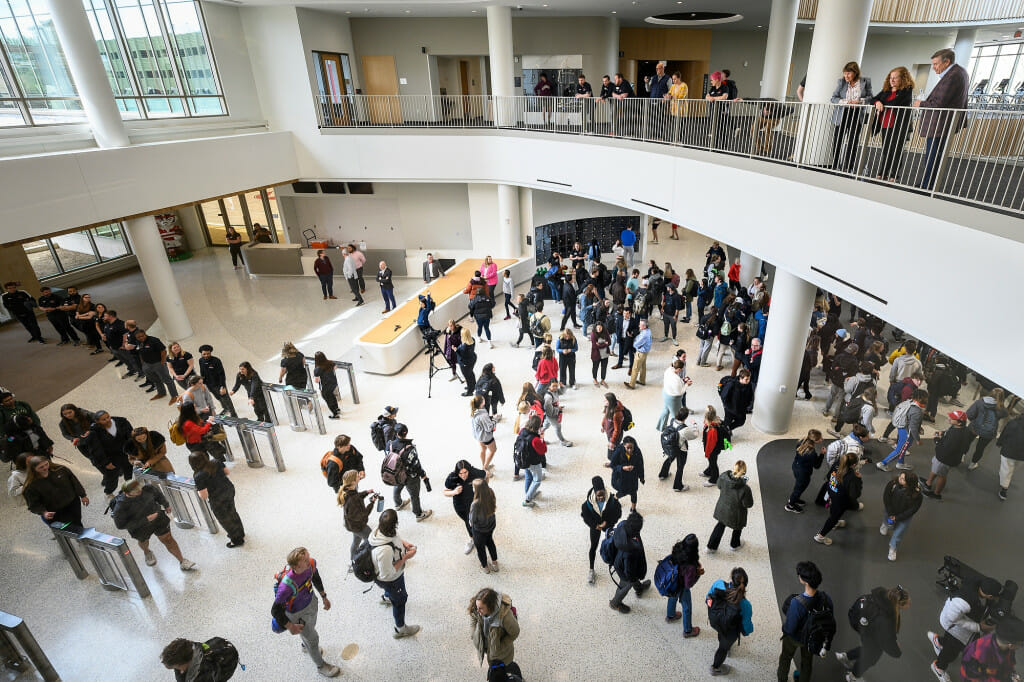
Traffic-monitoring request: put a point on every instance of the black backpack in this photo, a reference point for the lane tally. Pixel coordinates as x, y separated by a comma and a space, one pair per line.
522, 450
377, 434
724, 386
819, 626
627, 419
864, 609
670, 441
609, 552
220, 658
723, 615
851, 410
363, 566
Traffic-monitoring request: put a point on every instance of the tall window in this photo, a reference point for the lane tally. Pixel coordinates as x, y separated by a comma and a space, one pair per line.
64, 253
997, 74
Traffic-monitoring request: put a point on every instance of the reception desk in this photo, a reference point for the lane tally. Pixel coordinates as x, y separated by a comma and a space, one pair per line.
273, 260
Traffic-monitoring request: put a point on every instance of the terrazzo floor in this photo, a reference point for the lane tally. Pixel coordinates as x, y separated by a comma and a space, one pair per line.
568, 630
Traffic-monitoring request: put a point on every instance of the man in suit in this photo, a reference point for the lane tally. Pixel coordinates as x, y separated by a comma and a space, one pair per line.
936, 126
432, 269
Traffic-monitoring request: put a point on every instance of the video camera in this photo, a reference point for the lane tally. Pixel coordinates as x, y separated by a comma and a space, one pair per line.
955, 575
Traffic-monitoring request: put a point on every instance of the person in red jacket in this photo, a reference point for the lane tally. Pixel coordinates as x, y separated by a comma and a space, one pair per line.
547, 370
325, 272
612, 423
714, 443
193, 427
734, 277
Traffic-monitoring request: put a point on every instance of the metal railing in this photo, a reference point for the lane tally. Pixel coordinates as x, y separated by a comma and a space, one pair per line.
301, 405
349, 369
974, 155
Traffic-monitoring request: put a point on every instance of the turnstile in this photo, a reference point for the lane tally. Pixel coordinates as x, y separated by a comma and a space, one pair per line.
19, 649
66, 536
338, 364
298, 404
190, 510
110, 556
249, 432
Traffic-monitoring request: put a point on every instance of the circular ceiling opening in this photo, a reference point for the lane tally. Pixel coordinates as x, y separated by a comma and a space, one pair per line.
694, 18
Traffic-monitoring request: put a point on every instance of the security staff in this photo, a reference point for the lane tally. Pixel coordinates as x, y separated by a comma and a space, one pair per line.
51, 303
212, 371
20, 304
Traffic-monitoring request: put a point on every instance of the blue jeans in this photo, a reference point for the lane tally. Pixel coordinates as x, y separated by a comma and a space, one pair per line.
483, 326
672, 405
902, 447
684, 600
533, 473
389, 298
897, 533
327, 284
932, 147
689, 308
395, 591
555, 293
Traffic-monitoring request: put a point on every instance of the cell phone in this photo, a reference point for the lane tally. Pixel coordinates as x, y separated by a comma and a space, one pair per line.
426, 484
380, 504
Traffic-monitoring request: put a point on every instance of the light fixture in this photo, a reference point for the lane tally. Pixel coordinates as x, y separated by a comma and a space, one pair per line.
614, 12
408, 11
906, 30
759, 25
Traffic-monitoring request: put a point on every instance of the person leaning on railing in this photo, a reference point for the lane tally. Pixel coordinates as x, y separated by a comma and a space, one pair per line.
936, 126
676, 95
852, 90
893, 123
720, 92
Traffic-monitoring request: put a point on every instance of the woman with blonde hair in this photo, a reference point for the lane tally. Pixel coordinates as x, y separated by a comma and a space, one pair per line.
356, 508
180, 364
734, 499
483, 430
894, 124
482, 521
293, 367
466, 356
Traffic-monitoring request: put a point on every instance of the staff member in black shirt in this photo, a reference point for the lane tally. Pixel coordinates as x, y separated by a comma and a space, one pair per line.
20, 304
51, 304
153, 355
214, 377
585, 94
113, 334
104, 444
621, 91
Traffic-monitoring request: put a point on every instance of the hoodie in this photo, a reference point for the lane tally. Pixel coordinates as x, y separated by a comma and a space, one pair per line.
857, 380
985, 416
483, 426
386, 551
904, 367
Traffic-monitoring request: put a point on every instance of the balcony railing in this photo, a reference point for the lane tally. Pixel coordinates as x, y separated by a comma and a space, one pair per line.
974, 156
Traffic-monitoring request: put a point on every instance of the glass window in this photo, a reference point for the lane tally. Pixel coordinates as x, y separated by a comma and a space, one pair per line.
215, 223
257, 211
41, 258
275, 212
109, 43
188, 39
74, 250
110, 241
57, 255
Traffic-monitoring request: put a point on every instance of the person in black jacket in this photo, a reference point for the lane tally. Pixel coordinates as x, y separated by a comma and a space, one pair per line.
53, 492
809, 361
481, 307
143, 511
630, 561
24, 435
523, 313
569, 294
844, 489
413, 471
466, 355
1011, 449
106, 450
211, 661
950, 448
902, 499
894, 124
809, 456
600, 511
876, 616
626, 329
489, 387
351, 460
737, 397
213, 484
627, 464
250, 378
214, 378
459, 486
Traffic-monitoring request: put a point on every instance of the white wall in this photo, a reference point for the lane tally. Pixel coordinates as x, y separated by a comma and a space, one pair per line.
730, 49
231, 51
326, 32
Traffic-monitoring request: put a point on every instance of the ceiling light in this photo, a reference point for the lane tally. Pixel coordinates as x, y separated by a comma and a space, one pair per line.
759, 25
614, 12
408, 11
348, 11
906, 30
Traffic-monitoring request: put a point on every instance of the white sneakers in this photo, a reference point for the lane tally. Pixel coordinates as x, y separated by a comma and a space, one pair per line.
884, 528
469, 547
405, 631
186, 565
892, 554
822, 540
328, 670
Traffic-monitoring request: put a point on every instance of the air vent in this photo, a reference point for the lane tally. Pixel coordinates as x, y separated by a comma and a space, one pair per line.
332, 187
304, 187
360, 188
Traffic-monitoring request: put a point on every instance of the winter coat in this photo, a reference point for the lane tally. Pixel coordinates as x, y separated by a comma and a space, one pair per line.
806, 463
734, 499
497, 643
613, 427
985, 416
131, 512
489, 386
627, 481
630, 560
54, 492
610, 515
900, 502
598, 341
481, 307
1011, 440
357, 510
955, 441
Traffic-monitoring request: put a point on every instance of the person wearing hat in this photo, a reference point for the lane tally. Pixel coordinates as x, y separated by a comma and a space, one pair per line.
1011, 444
600, 511
992, 656
950, 447
963, 618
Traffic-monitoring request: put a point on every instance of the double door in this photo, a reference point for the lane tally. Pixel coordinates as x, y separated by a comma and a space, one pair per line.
242, 212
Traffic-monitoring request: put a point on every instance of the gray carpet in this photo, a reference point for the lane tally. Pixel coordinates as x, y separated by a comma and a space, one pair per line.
970, 523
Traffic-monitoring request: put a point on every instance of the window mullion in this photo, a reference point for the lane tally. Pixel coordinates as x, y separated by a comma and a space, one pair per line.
211, 57
172, 57
129, 63
16, 90
56, 258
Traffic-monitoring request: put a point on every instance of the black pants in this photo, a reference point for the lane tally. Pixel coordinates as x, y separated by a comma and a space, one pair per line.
734, 420
716, 536
804, 382
670, 326
464, 515
31, 325
567, 364
223, 398
801, 479
951, 649
510, 307
236, 254
626, 346
631, 495
467, 372
725, 642
353, 284
595, 540
864, 656
790, 648
62, 325
87, 327
523, 332
888, 429
603, 365
979, 448
712, 468
260, 407
331, 399
412, 484
111, 477
327, 284
362, 282
893, 140
848, 130
835, 512
223, 507
484, 543
680, 459
570, 313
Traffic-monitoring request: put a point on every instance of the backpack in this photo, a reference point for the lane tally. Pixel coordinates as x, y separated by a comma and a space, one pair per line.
283, 576
112, 507
377, 434
363, 566
392, 469
726, 328
329, 456
893, 394
627, 419
608, 549
819, 626
862, 612
537, 324
666, 577
523, 448
174, 431
703, 332
724, 386
901, 415
851, 410
724, 616
670, 441
222, 657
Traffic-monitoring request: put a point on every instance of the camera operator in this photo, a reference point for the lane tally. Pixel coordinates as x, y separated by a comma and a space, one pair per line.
427, 306
963, 616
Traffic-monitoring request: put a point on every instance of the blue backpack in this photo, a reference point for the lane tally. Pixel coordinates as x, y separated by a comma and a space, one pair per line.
666, 577
608, 549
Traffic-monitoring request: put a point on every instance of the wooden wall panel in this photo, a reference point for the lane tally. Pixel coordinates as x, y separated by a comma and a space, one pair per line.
665, 43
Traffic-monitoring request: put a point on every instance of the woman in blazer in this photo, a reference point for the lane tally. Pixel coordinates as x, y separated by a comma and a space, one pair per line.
894, 124
851, 90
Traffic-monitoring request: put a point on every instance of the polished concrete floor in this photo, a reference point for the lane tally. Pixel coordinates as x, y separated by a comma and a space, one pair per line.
568, 630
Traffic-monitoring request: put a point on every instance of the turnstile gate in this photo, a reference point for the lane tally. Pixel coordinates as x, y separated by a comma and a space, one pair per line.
338, 364
110, 556
19, 649
249, 433
299, 404
66, 536
189, 509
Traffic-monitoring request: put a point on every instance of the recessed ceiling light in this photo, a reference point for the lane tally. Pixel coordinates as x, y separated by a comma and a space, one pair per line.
614, 12
759, 25
906, 30
408, 11
348, 11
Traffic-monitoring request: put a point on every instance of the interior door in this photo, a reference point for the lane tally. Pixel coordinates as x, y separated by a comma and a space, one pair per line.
333, 92
464, 86
380, 79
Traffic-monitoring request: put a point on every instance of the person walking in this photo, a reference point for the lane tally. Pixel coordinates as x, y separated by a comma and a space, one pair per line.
143, 511
951, 448
414, 473
466, 359
737, 398
534, 450
963, 621
809, 456
675, 448
390, 555
600, 345
105, 444
630, 561
673, 391
734, 499
293, 367
553, 413
489, 387
984, 415
325, 272
215, 379
459, 486
351, 272
483, 430
600, 511
295, 606
1011, 446
250, 378
809, 362
327, 380
796, 613
992, 656
482, 521
356, 509
642, 346
730, 614
714, 437
234, 240
907, 419
495, 629
686, 558
385, 279
508, 288
627, 464
53, 492
902, 499
481, 308
671, 305
613, 422
844, 488
213, 485
876, 617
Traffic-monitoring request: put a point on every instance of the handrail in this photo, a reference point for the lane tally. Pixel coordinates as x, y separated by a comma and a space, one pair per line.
974, 155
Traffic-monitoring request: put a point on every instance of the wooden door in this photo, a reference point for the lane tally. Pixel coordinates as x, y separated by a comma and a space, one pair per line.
464, 86
380, 78
334, 102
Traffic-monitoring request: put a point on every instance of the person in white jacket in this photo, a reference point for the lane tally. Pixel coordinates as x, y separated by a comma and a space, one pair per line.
553, 413
351, 271
962, 617
673, 388
390, 554
675, 448
483, 430
16, 481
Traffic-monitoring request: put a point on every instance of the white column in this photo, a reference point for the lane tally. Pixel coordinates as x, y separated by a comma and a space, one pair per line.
526, 226
83, 59
840, 29
750, 267
788, 324
611, 41
778, 52
965, 38
499, 46
508, 221
156, 270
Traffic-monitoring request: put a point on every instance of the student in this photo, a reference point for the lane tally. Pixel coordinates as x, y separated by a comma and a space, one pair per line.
459, 486
992, 656
53, 492
295, 606
293, 367
481, 308
483, 430
324, 376
612, 420
962, 619
466, 358
951, 447
902, 499
795, 616
534, 451
627, 464
495, 627
675, 448
234, 240
413, 471
600, 511
213, 660
250, 378
547, 369
566, 347
356, 509
844, 488
734, 499
143, 511
390, 555
213, 485
878, 625
1011, 447
630, 561
736, 620
686, 557
907, 419
714, 443
147, 450
488, 386
508, 288
809, 456
482, 522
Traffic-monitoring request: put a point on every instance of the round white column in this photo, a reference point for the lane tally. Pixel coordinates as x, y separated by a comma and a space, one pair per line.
750, 267
86, 66
526, 225
778, 52
788, 325
611, 41
156, 270
965, 38
499, 46
508, 220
